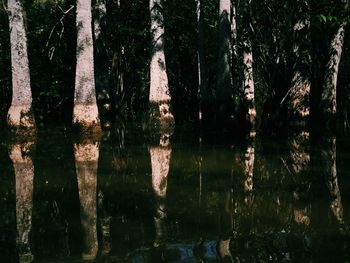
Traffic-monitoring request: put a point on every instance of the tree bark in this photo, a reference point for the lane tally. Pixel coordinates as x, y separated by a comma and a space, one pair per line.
85, 112
20, 114
329, 89
248, 79
102, 67
86, 162
298, 103
203, 96
159, 97
24, 173
224, 85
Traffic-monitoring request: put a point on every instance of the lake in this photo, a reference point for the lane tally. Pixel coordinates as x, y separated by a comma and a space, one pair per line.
209, 198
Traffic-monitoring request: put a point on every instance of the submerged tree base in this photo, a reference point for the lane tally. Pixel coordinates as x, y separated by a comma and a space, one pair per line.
20, 120
161, 117
85, 119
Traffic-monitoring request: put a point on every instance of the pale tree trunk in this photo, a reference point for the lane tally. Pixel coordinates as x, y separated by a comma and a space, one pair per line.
298, 95
20, 114
248, 79
24, 173
86, 162
203, 95
160, 163
159, 96
85, 112
224, 85
329, 89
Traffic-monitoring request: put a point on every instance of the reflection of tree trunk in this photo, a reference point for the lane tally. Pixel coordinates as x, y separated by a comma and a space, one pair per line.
160, 162
85, 113
86, 161
223, 247
24, 172
298, 165
159, 96
20, 114
249, 158
328, 155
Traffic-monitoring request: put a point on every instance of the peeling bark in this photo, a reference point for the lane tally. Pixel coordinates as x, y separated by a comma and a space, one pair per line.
24, 173
160, 162
159, 96
86, 161
20, 115
85, 112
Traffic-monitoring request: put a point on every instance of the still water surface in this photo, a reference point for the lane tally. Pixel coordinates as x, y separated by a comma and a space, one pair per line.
121, 198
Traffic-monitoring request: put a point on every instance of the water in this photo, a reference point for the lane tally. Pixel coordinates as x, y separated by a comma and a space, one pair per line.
121, 198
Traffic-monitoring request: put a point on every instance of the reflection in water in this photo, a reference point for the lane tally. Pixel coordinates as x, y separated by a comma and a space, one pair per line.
24, 173
298, 166
214, 218
160, 162
328, 155
86, 156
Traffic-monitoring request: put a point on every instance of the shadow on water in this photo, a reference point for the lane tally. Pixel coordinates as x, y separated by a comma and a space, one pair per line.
126, 198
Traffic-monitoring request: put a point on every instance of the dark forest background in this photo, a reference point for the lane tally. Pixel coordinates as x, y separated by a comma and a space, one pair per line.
122, 56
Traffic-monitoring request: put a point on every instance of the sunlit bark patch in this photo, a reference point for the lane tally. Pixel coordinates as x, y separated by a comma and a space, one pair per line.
85, 118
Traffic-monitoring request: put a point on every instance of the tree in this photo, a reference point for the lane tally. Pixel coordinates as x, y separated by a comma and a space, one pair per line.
298, 95
329, 88
159, 96
248, 79
85, 112
20, 115
224, 84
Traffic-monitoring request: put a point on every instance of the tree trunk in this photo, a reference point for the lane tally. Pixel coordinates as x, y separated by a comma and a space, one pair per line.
20, 114
234, 59
248, 79
102, 64
85, 113
298, 103
24, 173
224, 88
329, 89
160, 162
203, 96
159, 97
86, 161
